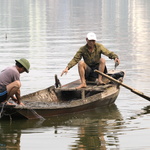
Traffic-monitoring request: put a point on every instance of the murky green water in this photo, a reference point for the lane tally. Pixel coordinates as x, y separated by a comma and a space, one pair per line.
48, 33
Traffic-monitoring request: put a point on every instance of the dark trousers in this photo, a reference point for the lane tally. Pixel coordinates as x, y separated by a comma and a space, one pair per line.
90, 75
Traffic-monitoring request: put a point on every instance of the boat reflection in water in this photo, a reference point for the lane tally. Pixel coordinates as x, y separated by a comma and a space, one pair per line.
96, 129
93, 127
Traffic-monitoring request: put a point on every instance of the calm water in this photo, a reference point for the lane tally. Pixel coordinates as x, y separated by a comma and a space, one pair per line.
48, 33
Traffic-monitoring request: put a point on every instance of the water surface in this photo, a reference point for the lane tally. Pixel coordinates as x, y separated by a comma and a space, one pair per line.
48, 33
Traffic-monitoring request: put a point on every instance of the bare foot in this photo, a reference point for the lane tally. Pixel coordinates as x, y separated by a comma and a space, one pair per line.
81, 86
8, 103
100, 83
22, 104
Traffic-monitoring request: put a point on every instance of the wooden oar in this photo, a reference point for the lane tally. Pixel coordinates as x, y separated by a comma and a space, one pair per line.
124, 85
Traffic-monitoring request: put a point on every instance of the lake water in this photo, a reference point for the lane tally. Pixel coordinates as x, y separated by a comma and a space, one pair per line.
48, 33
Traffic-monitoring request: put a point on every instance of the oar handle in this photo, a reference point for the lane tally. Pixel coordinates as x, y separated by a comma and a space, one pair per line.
110, 78
124, 85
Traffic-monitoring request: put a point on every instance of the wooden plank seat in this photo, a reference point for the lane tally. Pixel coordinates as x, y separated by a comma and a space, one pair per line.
83, 92
88, 88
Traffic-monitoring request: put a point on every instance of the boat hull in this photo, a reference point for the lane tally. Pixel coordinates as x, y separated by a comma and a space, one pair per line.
54, 101
102, 99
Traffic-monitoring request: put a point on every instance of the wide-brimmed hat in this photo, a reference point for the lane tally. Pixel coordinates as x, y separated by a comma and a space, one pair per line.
25, 63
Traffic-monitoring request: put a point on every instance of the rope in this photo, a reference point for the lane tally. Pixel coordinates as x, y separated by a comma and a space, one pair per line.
36, 114
3, 104
4, 114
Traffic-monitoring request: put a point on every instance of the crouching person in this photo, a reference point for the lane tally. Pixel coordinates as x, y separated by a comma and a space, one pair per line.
10, 81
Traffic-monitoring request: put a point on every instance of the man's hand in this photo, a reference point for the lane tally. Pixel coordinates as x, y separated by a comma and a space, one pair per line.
64, 71
117, 61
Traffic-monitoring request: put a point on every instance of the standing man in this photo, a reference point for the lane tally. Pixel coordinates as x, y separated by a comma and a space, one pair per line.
10, 81
91, 54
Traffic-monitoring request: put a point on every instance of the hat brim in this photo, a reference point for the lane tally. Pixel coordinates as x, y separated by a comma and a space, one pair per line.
92, 39
22, 65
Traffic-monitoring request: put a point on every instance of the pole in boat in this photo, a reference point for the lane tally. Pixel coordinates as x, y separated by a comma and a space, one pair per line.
124, 85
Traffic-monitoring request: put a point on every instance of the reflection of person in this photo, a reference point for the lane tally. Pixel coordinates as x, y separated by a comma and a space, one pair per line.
10, 81
91, 54
10, 136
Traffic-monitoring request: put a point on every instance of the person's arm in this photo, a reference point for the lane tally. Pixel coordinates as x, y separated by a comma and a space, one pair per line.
110, 54
64, 71
73, 62
18, 96
77, 57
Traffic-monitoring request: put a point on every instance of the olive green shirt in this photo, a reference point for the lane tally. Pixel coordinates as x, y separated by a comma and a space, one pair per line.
91, 59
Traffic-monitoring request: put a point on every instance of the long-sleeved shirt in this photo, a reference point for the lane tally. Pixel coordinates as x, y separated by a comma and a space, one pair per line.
89, 58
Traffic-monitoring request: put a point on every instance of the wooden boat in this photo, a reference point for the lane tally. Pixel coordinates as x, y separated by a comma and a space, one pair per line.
60, 100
